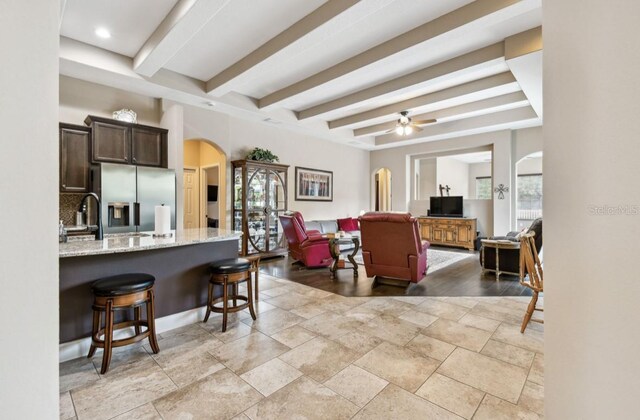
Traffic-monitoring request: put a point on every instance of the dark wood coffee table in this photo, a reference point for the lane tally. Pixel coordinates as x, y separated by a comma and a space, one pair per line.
334, 249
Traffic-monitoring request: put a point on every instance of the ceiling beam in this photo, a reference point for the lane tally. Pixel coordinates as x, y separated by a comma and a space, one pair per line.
86, 62
523, 43
218, 84
458, 128
500, 81
486, 55
484, 106
183, 21
441, 25
523, 54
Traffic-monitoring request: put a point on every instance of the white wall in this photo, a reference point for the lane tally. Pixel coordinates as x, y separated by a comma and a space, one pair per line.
29, 210
591, 132
428, 179
351, 183
529, 166
453, 173
79, 98
483, 211
526, 141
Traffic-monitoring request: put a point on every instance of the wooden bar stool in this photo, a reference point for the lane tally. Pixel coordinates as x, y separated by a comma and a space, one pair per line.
117, 293
229, 272
255, 269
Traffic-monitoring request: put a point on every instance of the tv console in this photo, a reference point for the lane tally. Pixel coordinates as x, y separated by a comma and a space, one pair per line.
449, 231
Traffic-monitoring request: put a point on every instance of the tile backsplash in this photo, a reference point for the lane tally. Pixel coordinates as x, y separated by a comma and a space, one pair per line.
69, 204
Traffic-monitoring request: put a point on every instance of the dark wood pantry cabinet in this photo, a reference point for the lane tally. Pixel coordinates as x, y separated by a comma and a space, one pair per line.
116, 141
75, 143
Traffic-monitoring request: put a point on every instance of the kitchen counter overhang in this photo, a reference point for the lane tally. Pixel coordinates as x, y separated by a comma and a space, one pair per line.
133, 242
179, 264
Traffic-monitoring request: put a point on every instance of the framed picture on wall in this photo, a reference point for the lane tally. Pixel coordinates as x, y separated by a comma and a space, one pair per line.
313, 184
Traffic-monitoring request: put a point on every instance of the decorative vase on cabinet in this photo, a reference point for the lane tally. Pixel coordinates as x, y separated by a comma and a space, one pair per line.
259, 197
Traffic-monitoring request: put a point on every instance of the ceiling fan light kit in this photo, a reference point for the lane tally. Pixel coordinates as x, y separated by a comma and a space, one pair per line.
405, 126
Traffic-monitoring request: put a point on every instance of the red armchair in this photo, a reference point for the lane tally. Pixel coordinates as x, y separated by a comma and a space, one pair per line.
391, 246
306, 246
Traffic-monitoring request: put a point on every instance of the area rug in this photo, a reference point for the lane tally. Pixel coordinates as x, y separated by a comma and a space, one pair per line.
436, 258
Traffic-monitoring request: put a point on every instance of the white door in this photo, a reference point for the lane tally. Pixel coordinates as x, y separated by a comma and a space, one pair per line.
191, 199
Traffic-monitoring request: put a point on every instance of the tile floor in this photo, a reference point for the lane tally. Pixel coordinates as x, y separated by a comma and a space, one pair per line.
312, 354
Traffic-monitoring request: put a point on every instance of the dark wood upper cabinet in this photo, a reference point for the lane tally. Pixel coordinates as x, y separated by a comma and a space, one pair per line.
148, 147
120, 142
110, 143
75, 143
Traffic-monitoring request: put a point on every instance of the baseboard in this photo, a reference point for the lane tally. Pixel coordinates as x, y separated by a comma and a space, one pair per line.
79, 348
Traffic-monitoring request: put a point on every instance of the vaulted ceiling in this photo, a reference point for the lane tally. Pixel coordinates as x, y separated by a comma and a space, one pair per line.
336, 69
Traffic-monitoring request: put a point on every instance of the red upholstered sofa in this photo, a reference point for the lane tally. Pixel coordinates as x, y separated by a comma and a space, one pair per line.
391, 246
306, 246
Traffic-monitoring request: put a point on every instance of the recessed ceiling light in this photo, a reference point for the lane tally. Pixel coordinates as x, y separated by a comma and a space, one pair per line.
210, 103
103, 33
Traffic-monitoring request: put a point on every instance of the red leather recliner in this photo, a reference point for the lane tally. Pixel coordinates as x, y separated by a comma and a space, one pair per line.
391, 246
306, 246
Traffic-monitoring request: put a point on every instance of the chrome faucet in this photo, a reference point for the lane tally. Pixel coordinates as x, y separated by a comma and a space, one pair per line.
99, 235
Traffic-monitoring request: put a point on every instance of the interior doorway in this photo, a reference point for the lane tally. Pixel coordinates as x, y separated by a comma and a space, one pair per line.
210, 176
204, 184
383, 194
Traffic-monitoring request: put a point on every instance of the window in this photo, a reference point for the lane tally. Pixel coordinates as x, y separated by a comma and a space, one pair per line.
529, 204
483, 188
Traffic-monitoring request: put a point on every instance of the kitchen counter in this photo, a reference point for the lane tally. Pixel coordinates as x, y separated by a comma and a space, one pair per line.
180, 265
132, 242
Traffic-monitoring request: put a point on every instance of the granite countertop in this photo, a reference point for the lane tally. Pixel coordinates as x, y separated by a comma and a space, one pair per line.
132, 242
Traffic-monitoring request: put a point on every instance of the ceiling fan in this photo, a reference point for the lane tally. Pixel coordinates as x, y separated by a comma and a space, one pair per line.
406, 125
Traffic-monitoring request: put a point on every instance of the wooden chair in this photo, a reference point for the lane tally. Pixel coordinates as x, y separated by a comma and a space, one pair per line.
530, 275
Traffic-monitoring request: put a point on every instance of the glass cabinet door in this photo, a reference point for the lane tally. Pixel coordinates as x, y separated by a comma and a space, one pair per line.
277, 198
259, 197
277, 194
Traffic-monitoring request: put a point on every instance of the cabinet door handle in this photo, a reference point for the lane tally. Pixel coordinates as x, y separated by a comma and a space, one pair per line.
134, 160
64, 185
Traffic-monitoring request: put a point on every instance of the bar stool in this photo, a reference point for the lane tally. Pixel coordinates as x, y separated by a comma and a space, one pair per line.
117, 293
229, 272
255, 269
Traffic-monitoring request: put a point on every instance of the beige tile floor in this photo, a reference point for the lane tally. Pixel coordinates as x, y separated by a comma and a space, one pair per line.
315, 355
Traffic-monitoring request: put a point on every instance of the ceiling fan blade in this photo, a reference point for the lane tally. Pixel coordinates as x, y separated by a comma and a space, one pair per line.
424, 122
393, 130
415, 127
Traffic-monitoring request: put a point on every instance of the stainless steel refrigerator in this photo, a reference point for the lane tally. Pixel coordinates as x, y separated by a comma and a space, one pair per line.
129, 194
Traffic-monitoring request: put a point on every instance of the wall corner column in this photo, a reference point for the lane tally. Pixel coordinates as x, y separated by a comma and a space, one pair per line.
173, 120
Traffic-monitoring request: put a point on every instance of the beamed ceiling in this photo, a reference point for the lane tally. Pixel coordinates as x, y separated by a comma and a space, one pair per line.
341, 70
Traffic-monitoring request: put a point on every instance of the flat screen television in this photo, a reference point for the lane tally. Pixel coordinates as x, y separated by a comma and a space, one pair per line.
212, 193
446, 206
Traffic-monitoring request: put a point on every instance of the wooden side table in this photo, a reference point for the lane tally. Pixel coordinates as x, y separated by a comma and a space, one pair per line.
334, 250
498, 245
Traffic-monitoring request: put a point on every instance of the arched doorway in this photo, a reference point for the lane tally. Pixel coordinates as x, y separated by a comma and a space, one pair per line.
205, 192
529, 190
382, 187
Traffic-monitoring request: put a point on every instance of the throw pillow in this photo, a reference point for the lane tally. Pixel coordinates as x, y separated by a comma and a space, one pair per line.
348, 225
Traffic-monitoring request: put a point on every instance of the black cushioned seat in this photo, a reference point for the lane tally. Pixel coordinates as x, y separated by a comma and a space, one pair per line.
230, 266
122, 284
